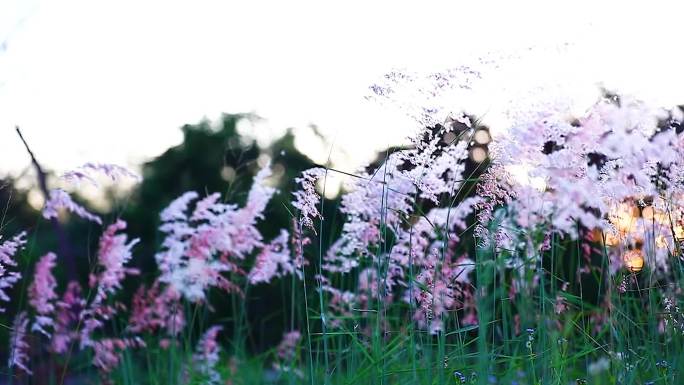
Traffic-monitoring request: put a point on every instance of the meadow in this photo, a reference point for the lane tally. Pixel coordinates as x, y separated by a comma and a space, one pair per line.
548, 254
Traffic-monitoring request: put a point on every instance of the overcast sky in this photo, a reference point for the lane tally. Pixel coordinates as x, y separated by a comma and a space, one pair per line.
112, 81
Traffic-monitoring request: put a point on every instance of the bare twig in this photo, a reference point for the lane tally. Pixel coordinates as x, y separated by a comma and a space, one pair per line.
65, 249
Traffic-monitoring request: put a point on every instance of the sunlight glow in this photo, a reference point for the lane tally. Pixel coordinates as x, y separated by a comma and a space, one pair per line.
85, 89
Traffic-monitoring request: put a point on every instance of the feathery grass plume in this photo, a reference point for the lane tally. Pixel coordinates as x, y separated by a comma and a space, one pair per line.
108, 351
435, 167
61, 200
19, 346
155, 309
67, 318
340, 302
288, 345
287, 352
213, 239
298, 242
176, 210
258, 197
42, 294
187, 262
273, 261
307, 199
427, 98
8, 249
442, 287
616, 170
494, 190
386, 194
673, 316
429, 230
88, 171
113, 255
380, 205
206, 356
590, 165
433, 301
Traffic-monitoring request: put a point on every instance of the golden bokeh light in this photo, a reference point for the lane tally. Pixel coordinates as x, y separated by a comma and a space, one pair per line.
478, 154
623, 217
651, 214
634, 261
482, 137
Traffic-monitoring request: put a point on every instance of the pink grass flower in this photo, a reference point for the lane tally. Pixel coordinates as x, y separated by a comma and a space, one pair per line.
114, 253
307, 199
156, 308
8, 249
19, 346
42, 294
298, 243
274, 260
206, 355
87, 172
61, 200
67, 317
108, 351
385, 194
178, 208
257, 199
214, 239
287, 347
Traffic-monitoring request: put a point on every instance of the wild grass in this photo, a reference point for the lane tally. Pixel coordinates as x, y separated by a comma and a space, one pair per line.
435, 269
600, 336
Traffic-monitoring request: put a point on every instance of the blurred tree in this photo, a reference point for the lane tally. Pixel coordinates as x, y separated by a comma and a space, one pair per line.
216, 158
196, 164
211, 159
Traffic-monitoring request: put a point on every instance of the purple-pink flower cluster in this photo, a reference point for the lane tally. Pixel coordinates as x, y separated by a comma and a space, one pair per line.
88, 172
203, 245
61, 200
8, 250
42, 294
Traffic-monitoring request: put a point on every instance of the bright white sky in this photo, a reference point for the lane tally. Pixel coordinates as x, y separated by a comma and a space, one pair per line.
113, 81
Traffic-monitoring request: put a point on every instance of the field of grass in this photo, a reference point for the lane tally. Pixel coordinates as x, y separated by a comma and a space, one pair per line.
440, 267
